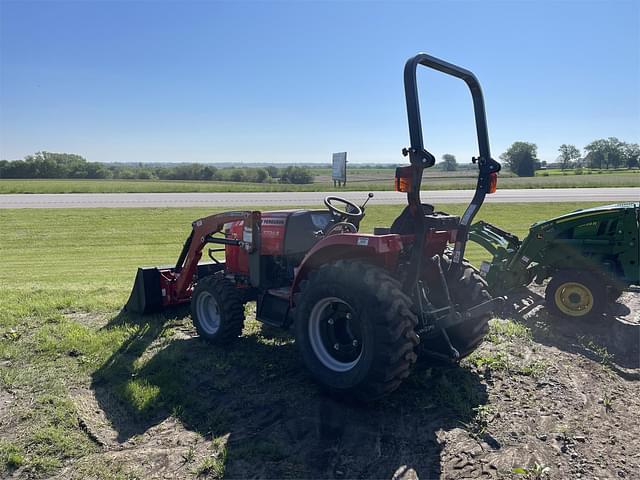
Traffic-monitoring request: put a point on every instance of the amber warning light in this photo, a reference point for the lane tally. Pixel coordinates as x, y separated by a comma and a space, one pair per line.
404, 176
493, 182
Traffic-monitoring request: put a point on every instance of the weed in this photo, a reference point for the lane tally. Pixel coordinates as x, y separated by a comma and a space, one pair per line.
537, 472
534, 369
213, 466
605, 358
498, 361
484, 415
11, 335
190, 455
11, 456
44, 464
507, 329
607, 402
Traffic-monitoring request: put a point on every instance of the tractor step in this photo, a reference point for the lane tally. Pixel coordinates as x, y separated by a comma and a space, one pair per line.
272, 308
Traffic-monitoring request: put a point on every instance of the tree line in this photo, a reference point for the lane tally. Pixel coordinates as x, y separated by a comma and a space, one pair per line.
522, 157
68, 165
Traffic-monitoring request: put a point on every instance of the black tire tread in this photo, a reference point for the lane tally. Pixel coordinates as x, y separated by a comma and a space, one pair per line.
467, 288
396, 353
230, 304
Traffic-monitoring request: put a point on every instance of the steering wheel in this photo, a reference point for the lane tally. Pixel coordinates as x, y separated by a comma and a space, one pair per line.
352, 212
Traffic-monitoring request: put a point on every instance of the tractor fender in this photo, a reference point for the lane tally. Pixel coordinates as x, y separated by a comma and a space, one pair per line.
382, 250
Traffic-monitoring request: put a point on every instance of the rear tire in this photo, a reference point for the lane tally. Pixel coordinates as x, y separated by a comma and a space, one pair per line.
576, 294
467, 289
217, 309
355, 330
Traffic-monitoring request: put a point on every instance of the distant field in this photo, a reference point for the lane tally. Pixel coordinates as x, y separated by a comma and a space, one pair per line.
587, 171
359, 180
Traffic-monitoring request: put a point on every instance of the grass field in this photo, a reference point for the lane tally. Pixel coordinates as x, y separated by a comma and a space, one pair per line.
586, 171
63, 269
378, 179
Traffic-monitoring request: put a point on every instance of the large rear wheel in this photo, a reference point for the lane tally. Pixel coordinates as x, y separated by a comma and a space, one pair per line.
355, 330
467, 289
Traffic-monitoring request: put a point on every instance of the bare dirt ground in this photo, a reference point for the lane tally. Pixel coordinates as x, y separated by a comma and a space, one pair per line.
541, 398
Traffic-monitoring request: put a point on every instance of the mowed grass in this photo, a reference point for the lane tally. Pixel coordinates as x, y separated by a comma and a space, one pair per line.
59, 265
363, 181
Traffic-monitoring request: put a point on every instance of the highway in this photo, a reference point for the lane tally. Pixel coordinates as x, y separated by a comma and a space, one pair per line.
275, 199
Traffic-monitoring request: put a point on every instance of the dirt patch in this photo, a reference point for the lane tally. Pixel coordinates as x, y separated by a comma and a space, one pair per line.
88, 319
7, 420
577, 417
165, 450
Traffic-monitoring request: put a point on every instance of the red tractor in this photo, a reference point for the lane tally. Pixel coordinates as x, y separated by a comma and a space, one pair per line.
363, 307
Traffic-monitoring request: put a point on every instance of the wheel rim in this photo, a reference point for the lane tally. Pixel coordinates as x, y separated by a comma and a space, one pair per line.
335, 334
208, 313
574, 299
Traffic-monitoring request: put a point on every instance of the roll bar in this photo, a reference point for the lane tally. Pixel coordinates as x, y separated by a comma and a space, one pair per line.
420, 158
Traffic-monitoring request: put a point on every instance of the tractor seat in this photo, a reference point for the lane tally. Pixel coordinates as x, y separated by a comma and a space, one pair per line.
301, 230
405, 225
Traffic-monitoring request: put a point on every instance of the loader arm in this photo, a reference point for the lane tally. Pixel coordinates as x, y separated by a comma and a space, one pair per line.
156, 288
203, 231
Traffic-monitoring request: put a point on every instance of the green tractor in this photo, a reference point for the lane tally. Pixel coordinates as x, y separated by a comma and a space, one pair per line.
590, 256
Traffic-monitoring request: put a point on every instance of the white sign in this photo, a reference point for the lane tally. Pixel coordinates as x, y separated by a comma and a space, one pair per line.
339, 167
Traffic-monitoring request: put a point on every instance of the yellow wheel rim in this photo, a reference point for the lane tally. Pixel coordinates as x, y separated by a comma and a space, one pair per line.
574, 299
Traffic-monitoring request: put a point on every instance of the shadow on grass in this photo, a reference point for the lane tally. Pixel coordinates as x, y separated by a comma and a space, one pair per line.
278, 423
608, 339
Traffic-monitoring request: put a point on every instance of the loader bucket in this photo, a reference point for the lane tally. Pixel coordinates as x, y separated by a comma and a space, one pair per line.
153, 286
146, 296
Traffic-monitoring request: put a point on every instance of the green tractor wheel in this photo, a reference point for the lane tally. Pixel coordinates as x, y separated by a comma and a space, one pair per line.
576, 294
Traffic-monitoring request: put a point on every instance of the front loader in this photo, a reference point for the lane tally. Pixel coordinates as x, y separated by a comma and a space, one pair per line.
362, 307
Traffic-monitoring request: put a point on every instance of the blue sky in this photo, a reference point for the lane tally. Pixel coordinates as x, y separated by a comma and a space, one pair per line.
296, 81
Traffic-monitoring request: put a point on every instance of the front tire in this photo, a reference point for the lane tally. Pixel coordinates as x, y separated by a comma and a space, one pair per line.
575, 294
217, 309
355, 330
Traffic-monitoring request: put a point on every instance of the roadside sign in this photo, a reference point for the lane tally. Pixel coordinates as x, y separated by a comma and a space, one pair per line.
339, 168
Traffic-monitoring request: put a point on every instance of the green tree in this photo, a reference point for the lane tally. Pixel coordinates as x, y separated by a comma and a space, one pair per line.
261, 175
568, 154
209, 173
238, 175
296, 175
522, 158
605, 153
449, 163
631, 155
272, 170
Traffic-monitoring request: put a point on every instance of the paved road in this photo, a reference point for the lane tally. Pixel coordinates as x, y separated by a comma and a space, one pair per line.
123, 200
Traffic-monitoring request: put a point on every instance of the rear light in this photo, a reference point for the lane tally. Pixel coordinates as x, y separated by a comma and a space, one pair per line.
404, 177
493, 183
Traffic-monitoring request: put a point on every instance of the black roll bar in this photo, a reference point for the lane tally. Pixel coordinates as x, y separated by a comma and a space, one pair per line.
420, 158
